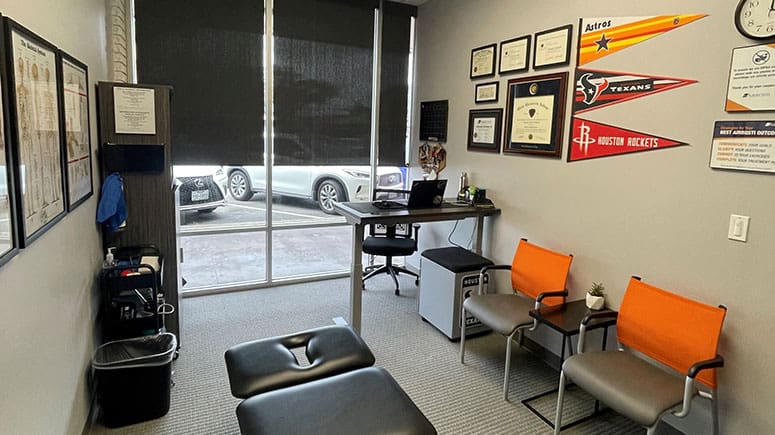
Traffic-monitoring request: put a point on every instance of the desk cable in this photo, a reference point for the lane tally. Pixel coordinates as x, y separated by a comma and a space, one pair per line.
470, 240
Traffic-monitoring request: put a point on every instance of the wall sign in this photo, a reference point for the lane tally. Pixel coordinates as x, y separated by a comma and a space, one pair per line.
752, 79
744, 146
606, 35
77, 138
135, 110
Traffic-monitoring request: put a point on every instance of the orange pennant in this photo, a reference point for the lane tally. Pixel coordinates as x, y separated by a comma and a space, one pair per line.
603, 36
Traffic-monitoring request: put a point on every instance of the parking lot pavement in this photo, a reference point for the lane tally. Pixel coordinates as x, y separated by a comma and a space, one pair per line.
230, 258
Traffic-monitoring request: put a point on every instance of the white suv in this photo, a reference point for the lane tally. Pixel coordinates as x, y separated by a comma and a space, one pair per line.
323, 184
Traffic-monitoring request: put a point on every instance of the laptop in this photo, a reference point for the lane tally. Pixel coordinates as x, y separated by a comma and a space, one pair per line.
423, 194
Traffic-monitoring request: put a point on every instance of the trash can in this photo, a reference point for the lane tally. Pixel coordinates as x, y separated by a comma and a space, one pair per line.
133, 378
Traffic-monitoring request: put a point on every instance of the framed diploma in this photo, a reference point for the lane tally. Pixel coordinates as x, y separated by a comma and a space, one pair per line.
35, 131
76, 141
535, 111
552, 47
483, 61
484, 130
486, 93
751, 78
514, 55
9, 242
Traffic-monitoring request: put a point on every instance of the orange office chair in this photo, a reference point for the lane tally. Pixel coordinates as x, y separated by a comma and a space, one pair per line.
538, 276
677, 332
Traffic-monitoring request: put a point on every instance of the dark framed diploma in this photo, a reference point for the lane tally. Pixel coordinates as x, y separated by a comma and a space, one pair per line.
552, 47
483, 61
484, 130
35, 131
486, 93
535, 112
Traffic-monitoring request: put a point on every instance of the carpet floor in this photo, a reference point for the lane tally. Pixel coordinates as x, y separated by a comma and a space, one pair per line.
456, 398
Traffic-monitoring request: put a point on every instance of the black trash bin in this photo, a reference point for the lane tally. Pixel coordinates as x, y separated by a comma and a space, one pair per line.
133, 378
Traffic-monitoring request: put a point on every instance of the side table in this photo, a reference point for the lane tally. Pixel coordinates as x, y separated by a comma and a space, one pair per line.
566, 319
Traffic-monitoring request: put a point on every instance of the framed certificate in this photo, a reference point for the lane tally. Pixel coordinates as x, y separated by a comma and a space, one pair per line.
74, 102
35, 131
552, 47
514, 55
483, 61
535, 111
484, 130
486, 93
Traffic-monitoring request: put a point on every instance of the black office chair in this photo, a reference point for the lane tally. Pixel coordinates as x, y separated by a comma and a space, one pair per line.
390, 241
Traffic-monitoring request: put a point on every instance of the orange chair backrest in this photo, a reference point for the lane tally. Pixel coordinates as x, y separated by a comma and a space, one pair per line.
672, 329
536, 270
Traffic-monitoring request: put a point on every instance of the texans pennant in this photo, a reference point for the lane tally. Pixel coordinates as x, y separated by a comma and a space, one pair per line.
603, 36
596, 89
590, 140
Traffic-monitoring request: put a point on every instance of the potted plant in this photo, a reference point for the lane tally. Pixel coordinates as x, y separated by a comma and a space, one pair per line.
596, 296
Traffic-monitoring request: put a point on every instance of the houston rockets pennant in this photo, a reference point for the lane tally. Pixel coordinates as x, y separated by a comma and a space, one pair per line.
603, 36
596, 89
590, 140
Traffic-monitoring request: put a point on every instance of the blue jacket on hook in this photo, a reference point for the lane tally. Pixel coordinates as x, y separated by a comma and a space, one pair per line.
112, 206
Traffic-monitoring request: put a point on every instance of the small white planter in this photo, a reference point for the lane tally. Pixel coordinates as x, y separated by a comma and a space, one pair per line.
595, 302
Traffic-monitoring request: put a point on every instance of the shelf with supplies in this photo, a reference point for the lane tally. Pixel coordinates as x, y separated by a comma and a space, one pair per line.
131, 283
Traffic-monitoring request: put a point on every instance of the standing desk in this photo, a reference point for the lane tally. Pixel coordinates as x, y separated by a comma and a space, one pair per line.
360, 214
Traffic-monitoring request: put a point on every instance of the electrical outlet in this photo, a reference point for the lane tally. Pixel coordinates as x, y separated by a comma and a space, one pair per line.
738, 228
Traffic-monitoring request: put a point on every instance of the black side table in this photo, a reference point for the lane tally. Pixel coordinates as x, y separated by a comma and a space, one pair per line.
566, 319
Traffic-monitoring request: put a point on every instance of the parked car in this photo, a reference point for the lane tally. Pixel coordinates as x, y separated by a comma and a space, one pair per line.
202, 188
323, 184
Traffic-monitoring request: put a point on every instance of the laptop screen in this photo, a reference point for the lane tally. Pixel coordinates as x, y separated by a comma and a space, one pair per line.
426, 193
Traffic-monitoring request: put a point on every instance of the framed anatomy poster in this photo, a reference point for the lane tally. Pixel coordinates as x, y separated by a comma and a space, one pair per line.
74, 100
9, 245
35, 129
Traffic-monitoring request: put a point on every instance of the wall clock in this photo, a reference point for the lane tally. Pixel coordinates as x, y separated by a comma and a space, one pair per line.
755, 19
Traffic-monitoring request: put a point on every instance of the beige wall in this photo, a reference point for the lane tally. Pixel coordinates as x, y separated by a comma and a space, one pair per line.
662, 214
48, 291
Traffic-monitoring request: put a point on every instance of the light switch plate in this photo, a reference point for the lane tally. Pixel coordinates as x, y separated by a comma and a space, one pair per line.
738, 227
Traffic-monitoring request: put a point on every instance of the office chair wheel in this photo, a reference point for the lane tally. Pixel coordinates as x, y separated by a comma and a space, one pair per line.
417, 281
397, 292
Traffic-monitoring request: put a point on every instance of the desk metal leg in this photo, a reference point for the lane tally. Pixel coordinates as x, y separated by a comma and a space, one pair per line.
356, 279
479, 234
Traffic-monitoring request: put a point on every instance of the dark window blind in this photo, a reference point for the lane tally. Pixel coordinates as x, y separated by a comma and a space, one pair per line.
322, 75
211, 53
394, 86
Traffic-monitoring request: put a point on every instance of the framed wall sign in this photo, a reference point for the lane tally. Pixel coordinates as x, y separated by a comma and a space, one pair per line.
483, 61
74, 102
750, 74
9, 242
552, 47
514, 55
35, 131
486, 93
484, 130
535, 111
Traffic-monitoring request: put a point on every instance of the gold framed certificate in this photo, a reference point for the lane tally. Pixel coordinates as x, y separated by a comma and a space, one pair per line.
483, 61
552, 47
535, 111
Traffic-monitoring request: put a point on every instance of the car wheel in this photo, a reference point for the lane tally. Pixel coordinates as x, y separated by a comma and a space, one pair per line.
330, 191
239, 186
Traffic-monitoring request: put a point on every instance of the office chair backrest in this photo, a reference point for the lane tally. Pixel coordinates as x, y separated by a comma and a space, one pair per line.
672, 329
536, 270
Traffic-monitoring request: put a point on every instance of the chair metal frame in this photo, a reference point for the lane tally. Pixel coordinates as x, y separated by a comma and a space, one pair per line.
518, 331
690, 386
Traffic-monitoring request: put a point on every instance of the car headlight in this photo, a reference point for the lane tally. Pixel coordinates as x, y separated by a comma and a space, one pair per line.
357, 174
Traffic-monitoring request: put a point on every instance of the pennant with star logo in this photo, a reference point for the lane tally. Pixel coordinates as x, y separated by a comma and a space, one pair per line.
590, 140
596, 89
603, 36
